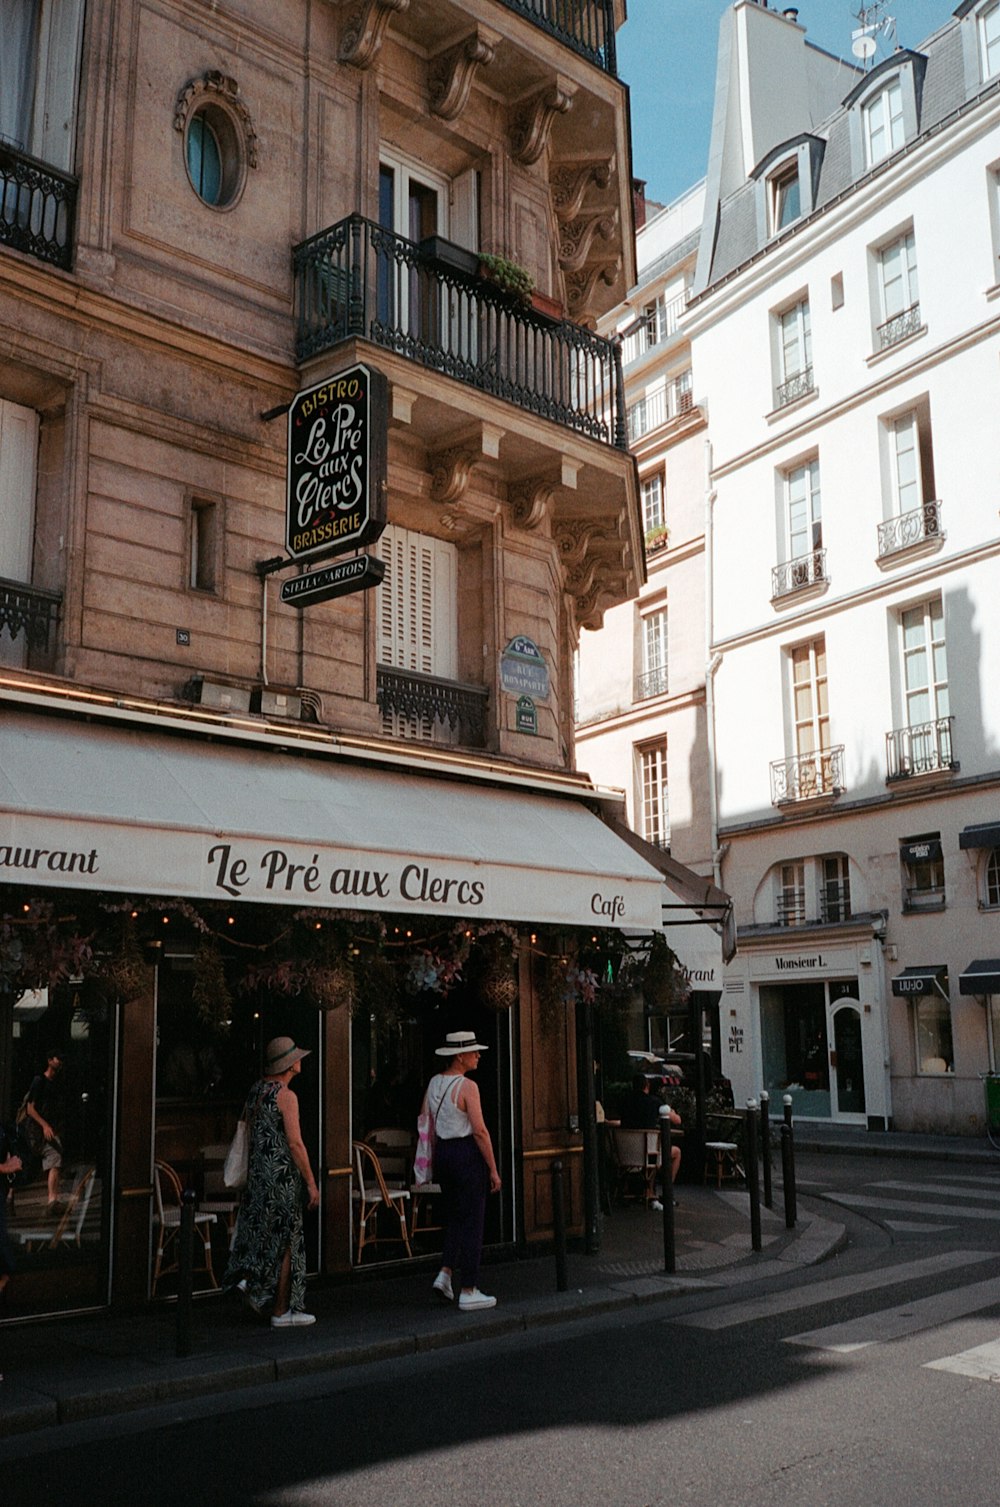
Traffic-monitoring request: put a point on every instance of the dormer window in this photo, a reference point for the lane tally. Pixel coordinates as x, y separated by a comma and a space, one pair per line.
989, 40
884, 109
786, 180
884, 126
786, 200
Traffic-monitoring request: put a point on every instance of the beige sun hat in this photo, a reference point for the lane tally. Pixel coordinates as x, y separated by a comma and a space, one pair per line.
281, 1053
457, 1042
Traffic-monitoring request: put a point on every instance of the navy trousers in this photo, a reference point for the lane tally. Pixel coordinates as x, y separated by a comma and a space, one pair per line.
465, 1182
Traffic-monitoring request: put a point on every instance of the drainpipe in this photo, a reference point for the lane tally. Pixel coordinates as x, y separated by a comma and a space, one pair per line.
264, 569
713, 661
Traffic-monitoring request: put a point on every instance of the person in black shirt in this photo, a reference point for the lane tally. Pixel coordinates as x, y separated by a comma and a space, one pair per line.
43, 1110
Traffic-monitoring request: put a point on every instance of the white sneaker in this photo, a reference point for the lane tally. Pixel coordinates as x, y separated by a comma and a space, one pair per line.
442, 1286
287, 1320
475, 1299
656, 1206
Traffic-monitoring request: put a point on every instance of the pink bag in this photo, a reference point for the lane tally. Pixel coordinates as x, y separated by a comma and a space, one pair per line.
423, 1161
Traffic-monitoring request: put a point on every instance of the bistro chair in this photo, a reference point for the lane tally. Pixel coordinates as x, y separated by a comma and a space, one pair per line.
70, 1227
167, 1194
216, 1197
370, 1195
723, 1154
394, 1147
637, 1161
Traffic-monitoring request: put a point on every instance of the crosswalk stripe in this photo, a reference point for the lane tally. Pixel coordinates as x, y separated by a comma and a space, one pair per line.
904, 1206
731, 1314
915, 1226
905, 1318
944, 1188
983, 1362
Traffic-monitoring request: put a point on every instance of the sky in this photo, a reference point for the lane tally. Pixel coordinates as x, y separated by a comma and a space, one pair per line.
666, 54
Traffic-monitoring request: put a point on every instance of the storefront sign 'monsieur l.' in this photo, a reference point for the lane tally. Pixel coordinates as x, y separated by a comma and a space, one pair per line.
336, 475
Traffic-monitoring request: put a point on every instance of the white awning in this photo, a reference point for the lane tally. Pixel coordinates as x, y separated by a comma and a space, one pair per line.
139, 811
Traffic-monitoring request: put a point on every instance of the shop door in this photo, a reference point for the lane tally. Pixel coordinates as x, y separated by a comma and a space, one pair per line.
847, 1069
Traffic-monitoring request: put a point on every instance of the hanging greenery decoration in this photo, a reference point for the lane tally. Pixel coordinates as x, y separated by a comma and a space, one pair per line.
210, 991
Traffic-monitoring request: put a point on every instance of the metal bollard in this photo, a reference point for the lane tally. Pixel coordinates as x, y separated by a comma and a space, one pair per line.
787, 1103
669, 1244
559, 1225
753, 1174
788, 1174
765, 1146
185, 1278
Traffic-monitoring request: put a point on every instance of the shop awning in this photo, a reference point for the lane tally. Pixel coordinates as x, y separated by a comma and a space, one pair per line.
981, 977
981, 835
135, 810
928, 978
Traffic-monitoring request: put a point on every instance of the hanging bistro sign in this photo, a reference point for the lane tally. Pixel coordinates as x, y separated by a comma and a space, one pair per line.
336, 473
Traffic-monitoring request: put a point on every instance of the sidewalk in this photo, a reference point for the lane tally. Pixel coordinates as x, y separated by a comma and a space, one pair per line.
97, 1365
93, 1366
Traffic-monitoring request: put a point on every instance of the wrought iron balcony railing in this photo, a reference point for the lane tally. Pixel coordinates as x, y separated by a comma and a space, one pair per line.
29, 610
808, 775
651, 683
915, 527
37, 208
790, 909
798, 385
659, 407
424, 700
906, 322
359, 279
835, 900
587, 26
921, 749
654, 328
797, 574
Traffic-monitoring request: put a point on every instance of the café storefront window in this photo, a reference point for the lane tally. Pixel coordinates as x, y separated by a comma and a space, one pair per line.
59, 1051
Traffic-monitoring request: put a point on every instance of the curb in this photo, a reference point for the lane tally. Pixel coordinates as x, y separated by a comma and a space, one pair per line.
125, 1387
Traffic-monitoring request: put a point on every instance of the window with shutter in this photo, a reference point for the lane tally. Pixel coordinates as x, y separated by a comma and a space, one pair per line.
417, 613
18, 465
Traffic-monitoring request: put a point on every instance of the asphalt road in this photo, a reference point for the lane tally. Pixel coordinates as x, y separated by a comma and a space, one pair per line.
872, 1379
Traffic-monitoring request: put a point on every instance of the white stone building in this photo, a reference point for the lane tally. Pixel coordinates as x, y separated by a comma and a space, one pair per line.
844, 341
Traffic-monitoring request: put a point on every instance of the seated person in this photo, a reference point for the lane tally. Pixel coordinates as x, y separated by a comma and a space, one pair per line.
641, 1107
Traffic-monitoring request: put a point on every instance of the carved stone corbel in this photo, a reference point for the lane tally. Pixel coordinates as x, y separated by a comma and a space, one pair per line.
574, 539
577, 236
569, 184
450, 476
580, 285
453, 73
365, 29
530, 135
589, 607
530, 501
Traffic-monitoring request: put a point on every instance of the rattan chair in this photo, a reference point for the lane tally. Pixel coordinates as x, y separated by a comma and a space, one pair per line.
167, 1194
370, 1195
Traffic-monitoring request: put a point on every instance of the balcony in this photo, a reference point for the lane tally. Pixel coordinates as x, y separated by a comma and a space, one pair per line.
799, 574
429, 701
587, 26
654, 328
659, 407
807, 776
908, 530
835, 901
651, 683
900, 327
790, 908
358, 279
37, 208
922, 749
798, 385
29, 610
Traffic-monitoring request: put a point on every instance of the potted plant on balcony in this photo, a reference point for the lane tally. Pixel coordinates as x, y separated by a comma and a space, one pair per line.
657, 538
507, 276
448, 254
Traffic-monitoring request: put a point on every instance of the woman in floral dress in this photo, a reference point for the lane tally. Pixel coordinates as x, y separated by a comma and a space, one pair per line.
268, 1262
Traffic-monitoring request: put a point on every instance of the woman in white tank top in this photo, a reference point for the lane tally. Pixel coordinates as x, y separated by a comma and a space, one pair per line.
464, 1166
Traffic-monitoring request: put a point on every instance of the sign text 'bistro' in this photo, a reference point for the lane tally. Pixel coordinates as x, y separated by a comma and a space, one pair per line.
336, 481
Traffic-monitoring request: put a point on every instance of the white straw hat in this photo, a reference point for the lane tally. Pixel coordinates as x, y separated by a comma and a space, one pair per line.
457, 1042
281, 1053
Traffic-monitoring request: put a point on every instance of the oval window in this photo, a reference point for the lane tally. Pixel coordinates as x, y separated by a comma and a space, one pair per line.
215, 156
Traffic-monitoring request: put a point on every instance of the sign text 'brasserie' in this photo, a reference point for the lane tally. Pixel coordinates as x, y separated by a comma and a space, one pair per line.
336, 465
